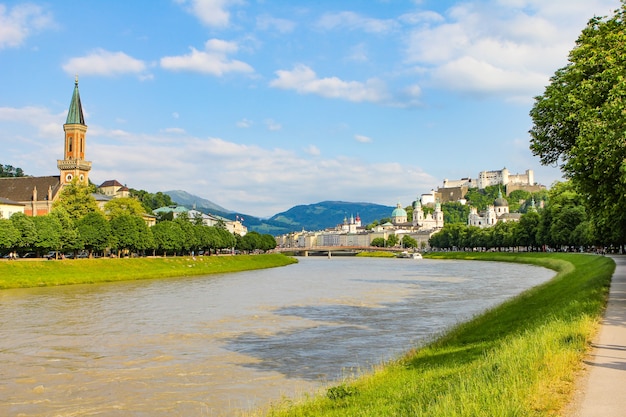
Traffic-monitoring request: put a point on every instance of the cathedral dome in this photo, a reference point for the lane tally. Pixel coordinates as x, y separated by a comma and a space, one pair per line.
398, 212
500, 201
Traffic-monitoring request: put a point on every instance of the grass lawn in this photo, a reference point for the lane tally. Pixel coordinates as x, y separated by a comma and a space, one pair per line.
41, 273
518, 359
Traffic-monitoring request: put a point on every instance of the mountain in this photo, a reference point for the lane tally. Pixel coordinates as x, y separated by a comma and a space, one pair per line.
183, 198
311, 217
329, 214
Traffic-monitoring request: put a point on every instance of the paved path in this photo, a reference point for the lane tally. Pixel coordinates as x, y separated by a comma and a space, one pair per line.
603, 391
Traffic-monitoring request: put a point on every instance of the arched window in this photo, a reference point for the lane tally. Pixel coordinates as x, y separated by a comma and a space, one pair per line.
69, 145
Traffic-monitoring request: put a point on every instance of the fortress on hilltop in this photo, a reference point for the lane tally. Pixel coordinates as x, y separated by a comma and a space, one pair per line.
455, 190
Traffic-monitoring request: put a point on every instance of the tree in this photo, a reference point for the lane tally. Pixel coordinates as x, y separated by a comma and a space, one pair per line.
48, 233
392, 241
455, 212
378, 242
94, 231
76, 200
123, 206
69, 238
168, 237
9, 235
579, 121
408, 242
10, 171
26, 229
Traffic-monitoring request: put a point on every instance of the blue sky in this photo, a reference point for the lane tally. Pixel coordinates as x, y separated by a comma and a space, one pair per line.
260, 105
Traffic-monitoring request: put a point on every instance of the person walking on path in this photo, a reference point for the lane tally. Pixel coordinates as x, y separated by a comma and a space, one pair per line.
603, 391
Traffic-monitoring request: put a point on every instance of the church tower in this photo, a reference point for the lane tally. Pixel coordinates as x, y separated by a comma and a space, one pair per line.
74, 165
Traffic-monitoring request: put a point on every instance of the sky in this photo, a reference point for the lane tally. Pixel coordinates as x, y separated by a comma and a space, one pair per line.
261, 105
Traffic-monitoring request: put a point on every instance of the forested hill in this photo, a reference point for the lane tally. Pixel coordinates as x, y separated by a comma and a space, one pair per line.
329, 214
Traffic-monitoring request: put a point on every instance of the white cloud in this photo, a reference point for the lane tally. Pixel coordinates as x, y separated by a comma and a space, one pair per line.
313, 150
273, 125
354, 21
267, 22
250, 178
212, 13
105, 63
213, 60
244, 123
363, 139
304, 80
21, 21
46, 123
503, 47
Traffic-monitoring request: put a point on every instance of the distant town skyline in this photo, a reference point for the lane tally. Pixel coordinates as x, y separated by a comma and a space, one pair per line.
259, 106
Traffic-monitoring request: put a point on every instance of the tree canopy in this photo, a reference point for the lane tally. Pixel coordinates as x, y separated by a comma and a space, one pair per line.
579, 123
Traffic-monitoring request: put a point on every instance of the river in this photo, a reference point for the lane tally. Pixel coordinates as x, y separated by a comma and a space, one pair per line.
224, 344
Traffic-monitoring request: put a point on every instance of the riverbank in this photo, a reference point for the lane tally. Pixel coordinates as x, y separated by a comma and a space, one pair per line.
24, 274
519, 359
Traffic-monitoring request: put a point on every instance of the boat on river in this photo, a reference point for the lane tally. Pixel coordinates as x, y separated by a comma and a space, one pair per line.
412, 255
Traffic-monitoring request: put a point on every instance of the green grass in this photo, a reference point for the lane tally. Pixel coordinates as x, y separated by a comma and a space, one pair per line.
23, 274
519, 359
377, 254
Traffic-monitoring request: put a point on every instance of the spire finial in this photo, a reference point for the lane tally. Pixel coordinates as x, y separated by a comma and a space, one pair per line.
76, 79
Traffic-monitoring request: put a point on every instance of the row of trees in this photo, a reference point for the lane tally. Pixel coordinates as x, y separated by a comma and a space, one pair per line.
76, 224
562, 224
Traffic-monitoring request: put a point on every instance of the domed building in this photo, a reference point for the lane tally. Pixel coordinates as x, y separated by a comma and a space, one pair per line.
398, 215
498, 212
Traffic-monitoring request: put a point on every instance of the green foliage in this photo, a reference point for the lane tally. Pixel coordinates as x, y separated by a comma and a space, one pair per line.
49, 232
94, 231
579, 123
408, 242
10, 171
378, 242
27, 230
124, 206
9, 235
151, 201
168, 236
482, 198
392, 241
455, 212
76, 200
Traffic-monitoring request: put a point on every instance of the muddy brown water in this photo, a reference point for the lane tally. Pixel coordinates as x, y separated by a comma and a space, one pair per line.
227, 344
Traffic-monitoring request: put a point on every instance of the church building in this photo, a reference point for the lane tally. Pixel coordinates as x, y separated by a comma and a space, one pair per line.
37, 194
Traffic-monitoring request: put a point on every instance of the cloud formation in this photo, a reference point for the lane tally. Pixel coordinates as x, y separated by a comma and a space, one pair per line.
20, 22
213, 60
104, 63
304, 80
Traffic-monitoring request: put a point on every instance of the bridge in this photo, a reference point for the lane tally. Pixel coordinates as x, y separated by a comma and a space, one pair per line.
329, 250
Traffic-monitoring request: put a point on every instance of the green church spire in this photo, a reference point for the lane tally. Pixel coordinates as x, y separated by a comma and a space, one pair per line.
75, 114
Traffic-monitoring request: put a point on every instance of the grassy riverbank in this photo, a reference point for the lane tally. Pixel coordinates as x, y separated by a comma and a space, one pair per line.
23, 274
519, 359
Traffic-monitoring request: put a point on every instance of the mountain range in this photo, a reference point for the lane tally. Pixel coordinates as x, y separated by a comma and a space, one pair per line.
311, 217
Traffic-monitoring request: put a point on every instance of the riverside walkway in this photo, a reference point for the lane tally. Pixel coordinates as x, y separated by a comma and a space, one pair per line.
602, 391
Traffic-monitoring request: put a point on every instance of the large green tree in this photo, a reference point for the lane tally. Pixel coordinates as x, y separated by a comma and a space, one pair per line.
9, 235
579, 122
94, 231
77, 200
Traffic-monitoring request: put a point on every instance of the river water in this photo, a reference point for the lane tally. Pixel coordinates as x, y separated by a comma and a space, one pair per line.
224, 344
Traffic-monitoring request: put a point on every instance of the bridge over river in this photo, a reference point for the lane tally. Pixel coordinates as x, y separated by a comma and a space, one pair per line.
339, 250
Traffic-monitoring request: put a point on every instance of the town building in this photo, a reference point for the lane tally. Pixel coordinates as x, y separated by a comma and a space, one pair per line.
233, 226
495, 213
9, 208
